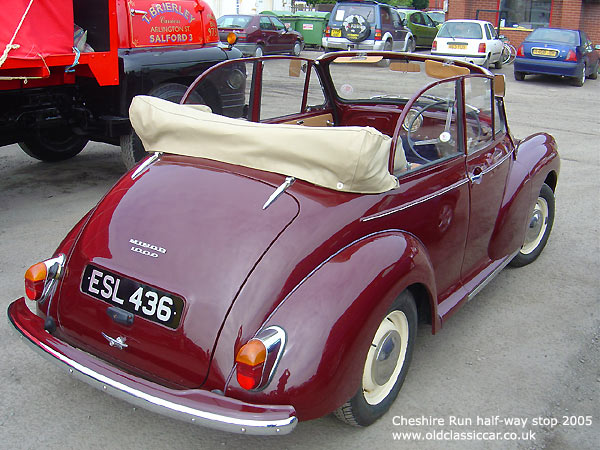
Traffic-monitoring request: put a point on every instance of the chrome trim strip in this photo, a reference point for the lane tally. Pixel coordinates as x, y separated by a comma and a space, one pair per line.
491, 276
274, 339
416, 202
144, 165
496, 164
157, 404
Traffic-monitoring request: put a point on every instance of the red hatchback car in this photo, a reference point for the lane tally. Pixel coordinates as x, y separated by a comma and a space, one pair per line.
272, 267
260, 34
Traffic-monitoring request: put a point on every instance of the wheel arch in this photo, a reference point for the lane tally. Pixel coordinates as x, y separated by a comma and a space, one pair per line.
330, 318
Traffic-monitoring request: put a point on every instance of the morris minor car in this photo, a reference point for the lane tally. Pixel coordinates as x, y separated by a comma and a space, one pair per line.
273, 265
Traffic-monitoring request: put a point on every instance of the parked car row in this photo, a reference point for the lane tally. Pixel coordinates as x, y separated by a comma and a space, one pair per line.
370, 25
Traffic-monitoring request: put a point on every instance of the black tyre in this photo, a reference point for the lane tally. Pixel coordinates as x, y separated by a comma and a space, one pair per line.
386, 365
519, 76
538, 230
499, 63
580, 78
594, 74
53, 144
411, 46
260, 51
132, 149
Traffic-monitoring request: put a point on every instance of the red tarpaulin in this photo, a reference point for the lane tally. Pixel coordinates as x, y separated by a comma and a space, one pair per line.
46, 30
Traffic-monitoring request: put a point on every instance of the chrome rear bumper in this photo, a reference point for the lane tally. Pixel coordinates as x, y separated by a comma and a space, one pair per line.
194, 405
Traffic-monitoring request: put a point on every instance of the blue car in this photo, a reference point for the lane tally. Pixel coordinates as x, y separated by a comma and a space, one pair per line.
554, 51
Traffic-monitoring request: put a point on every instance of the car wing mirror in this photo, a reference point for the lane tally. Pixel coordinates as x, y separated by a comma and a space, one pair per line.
499, 85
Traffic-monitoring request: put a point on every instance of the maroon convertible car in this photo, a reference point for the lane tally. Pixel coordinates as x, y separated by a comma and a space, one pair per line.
258, 270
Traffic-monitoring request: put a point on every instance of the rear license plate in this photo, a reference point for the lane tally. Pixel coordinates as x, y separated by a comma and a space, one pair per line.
457, 46
140, 299
544, 52
336, 32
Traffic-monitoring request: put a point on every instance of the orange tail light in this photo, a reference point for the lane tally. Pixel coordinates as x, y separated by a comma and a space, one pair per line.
35, 281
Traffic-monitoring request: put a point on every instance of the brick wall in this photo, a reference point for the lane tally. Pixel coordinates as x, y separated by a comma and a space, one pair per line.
574, 14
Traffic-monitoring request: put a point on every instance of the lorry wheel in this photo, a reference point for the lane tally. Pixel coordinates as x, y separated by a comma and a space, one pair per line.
53, 145
132, 149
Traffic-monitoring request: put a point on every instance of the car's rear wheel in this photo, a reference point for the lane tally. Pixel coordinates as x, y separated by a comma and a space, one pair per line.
53, 144
580, 78
519, 76
499, 63
411, 46
538, 229
132, 149
385, 366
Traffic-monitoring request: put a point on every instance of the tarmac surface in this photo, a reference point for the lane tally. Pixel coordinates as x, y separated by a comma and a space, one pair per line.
517, 367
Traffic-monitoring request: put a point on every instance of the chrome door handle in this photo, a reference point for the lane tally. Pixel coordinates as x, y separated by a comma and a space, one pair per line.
476, 175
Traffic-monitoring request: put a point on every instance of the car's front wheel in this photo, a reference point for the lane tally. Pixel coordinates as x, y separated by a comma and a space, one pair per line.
411, 46
538, 229
297, 49
385, 366
594, 74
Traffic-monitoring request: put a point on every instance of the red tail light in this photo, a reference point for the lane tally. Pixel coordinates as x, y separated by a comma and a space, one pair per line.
571, 56
521, 51
241, 36
250, 363
377, 35
35, 281
327, 31
41, 276
434, 45
257, 360
482, 48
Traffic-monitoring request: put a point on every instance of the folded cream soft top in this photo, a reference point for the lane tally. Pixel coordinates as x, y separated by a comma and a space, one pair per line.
349, 159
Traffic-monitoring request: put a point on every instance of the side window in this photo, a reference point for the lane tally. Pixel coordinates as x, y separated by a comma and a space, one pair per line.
428, 21
385, 16
499, 119
283, 88
478, 113
429, 132
265, 23
417, 19
488, 35
278, 23
396, 20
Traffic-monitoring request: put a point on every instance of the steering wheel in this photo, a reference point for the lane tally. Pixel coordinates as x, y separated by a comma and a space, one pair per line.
444, 138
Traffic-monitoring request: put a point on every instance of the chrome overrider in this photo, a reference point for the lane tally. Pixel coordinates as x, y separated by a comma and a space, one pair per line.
183, 405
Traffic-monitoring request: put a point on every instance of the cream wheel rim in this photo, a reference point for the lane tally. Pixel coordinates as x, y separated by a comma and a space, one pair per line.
537, 226
385, 358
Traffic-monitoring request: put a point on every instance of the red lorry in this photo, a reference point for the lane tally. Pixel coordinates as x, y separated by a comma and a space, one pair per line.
69, 69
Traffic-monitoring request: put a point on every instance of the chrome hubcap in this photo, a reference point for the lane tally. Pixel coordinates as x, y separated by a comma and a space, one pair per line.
385, 358
537, 226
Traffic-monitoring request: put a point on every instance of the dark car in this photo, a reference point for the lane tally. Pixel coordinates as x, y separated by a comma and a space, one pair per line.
260, 34
258, 271
423, 28
366, 25
555, 51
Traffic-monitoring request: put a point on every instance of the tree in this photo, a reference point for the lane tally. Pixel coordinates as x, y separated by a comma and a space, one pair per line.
420, 4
